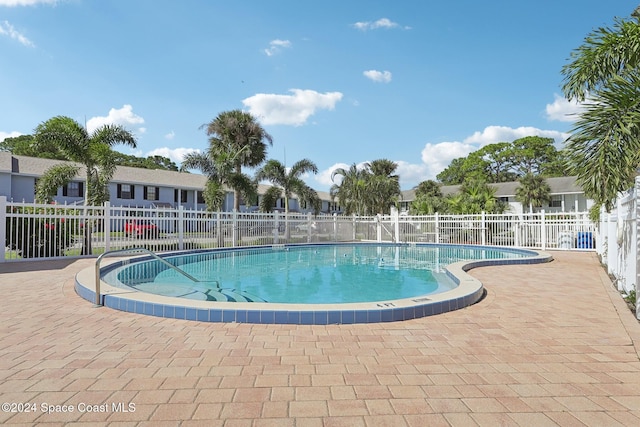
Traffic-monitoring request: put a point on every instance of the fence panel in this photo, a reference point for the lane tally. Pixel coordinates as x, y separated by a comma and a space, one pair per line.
619, 248
52, 231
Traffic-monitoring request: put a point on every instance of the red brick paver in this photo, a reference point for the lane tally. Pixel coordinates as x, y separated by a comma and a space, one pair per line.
551, 344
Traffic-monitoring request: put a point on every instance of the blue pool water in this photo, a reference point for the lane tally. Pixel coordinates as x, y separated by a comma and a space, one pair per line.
314, 274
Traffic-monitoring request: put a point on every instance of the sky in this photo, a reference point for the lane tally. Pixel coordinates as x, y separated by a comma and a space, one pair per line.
419, 82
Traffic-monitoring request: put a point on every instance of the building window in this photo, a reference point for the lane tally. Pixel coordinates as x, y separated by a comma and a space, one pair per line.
73, 189
126, 191
556, 202
151, 193
180, 193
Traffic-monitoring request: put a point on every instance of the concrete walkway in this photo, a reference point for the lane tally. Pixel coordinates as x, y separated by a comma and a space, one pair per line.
551, 344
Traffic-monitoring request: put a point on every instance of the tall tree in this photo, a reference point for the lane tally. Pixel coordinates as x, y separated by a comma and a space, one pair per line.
463, 168
533, 191
352, 191
531, 154
25, 145
242, 138
506, 161
220, 173
91, 150
368, 190
384, 185
289, 182
499, 158
604, 148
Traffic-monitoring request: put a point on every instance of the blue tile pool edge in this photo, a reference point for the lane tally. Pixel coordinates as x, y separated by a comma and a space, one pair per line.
412, 308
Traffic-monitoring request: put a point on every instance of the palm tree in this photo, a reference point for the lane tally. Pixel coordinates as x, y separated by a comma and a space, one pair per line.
475, 196
235, 136
604, 148
367, 190
288, 183
352, 192
429, 199
533, 191
217, 172
91, 150
384, 185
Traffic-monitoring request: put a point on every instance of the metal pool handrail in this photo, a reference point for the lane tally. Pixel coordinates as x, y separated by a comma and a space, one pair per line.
133, 251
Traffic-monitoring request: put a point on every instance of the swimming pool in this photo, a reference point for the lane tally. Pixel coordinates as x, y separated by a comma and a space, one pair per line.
309, 284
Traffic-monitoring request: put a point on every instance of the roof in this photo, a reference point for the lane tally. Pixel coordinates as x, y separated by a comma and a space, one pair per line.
34, 166
558, 185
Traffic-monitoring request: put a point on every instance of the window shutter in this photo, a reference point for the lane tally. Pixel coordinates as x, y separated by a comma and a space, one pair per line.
119, 195
157, 193
144, 192
81, 189
64, 190
133, 191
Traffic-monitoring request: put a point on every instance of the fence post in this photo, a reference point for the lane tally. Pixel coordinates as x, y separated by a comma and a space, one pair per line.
437, 227
106, 225
543, 234
378, 228
3, 227
180, 227
395, 215
234, 228
354, 227
335, 227
484, 228
276, 223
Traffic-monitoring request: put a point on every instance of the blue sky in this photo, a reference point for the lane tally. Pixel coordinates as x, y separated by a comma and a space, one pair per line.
418, 82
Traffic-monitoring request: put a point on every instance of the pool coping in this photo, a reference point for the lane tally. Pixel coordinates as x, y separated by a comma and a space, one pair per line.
468, 292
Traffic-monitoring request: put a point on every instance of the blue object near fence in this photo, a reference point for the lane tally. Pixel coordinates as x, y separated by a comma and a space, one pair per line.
585, 240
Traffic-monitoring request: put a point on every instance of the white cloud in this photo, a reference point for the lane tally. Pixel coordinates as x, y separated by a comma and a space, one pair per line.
12, 3
276, 46
380, 23
411, 174
436, 157
5, 135
123, 116
175, 154
6, 29
170, 135
378, 76
293, 109
563, 110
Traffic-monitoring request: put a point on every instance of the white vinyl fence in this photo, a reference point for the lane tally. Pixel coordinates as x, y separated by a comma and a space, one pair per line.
618, 244
36, 231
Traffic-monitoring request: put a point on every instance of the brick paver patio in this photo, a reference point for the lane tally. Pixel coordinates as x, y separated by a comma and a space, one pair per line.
551, 344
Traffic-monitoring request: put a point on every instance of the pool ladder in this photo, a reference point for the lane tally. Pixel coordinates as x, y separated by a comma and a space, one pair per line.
133, 251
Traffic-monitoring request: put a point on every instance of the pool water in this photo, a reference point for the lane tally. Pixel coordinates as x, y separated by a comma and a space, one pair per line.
306, 274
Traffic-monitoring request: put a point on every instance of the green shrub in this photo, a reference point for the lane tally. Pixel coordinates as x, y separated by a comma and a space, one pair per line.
40, 233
